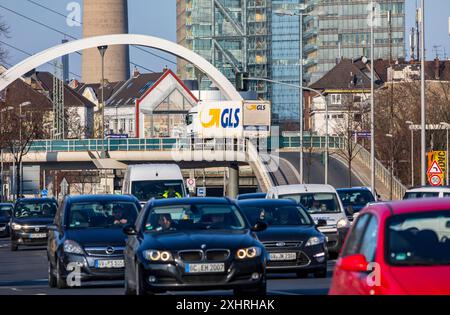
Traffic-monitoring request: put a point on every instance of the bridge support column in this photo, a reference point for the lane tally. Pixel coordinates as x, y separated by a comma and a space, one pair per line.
233, 181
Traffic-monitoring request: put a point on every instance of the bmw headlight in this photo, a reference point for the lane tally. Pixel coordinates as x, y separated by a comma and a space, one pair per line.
16, 226
72, 247
156, 255
248, 253
343, 223
315, 240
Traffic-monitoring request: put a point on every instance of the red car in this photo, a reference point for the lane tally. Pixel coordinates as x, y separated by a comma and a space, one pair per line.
397, 248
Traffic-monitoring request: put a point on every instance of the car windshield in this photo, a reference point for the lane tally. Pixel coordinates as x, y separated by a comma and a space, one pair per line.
355, 197
5, 213
35, 209
420, 194
419, 239
146, 190
277, 215
101, 214
194, 217
316, 202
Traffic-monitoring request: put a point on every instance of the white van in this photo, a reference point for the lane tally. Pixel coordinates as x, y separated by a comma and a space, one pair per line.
322, 203
147, 181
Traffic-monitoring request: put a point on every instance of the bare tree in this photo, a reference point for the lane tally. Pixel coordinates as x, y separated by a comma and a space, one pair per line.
4, 30
76, 129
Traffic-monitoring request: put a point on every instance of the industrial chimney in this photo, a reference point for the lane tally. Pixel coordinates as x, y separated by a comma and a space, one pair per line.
105, 17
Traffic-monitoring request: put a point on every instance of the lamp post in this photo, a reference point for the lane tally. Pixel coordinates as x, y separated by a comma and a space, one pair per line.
102, 50
372, 99
422, 99
410, 123
2, 164
447, 127
391, 191
300, 14
24, 104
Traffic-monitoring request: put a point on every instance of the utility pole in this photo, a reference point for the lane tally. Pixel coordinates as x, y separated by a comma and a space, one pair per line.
422, 101
372, 99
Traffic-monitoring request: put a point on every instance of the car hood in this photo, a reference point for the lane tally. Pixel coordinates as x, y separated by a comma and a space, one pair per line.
286, 233
196, 239
422, 280
33, 221
97, 237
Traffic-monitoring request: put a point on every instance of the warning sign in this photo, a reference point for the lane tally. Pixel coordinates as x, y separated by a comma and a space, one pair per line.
434, 169
437, 163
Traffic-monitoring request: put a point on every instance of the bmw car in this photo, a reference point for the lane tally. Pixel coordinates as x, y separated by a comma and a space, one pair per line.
292, 239
87, 236
29, 222
194, 244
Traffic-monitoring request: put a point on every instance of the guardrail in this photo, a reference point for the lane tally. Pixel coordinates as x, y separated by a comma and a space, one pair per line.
317, 142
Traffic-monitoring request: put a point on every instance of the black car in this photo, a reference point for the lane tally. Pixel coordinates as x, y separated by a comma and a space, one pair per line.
194, 244
292, 240
88, 233
251, 196
355, 199
29, 222
6, 211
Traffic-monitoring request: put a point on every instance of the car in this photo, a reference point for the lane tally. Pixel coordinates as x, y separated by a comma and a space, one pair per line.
355, 199
29, 221
88, 233
292, 239
6, 210
427, 192
194, 244
251, 196
397, 248
322, 203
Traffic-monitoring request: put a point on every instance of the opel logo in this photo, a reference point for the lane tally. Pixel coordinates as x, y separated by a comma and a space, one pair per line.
281, 244
110, 250
36, 229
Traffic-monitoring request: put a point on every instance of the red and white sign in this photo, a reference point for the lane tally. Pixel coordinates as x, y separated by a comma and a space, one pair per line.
435, 180
435, 169
190, 183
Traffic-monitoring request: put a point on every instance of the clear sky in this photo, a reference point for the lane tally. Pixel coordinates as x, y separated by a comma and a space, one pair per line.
158, 18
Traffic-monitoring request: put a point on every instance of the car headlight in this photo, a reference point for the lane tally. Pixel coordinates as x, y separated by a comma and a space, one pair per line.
16, 226
156, 255
315, 240
72, 247
343, 223
248, 253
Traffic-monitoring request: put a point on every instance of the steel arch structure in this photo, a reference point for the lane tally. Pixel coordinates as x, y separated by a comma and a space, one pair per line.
222, 83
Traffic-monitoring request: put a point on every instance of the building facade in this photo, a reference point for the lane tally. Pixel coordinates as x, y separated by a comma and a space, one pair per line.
249, 35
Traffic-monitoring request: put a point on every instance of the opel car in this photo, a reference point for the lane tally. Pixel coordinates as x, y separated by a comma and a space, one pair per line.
29, 222
355, 199
87, 237
399, 248
194, 244
292, 239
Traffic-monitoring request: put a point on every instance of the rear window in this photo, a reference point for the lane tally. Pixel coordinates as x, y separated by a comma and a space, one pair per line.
316, 202
421, 239
420, 194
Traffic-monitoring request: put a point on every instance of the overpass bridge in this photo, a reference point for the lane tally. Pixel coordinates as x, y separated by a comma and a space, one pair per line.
276, 162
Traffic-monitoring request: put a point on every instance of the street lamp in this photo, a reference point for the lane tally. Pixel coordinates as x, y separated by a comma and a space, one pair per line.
300, 14
447, 127
392, 165
372, 98
410, 123
1, 153
422, 99
102, 51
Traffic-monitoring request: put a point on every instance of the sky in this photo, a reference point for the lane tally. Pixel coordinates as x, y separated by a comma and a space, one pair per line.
156, 18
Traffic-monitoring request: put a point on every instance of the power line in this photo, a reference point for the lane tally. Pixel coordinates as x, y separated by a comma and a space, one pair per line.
63, 33
81, 23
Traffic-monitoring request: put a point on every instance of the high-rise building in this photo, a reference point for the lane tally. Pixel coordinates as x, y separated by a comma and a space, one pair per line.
105, 17
251, 36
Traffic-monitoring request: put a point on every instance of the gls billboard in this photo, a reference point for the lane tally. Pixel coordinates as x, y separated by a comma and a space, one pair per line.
221, 119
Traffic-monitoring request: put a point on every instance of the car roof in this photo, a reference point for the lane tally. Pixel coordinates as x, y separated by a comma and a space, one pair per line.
190, 201
303, 188
429, 189
411, 206
94, 198
266, 202
35, 199
250, 195
354, 189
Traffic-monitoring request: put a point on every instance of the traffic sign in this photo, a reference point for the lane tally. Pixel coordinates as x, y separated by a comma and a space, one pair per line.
434, 169
64, 186
201, 192
44, 193
435, 180
190, 183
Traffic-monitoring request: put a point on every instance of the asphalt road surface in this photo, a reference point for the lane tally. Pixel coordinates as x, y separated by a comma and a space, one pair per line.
25, 273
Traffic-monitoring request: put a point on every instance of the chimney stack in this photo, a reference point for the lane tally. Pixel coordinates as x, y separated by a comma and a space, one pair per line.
437, 68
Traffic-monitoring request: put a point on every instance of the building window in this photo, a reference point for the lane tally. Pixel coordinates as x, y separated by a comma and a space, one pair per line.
335, 99
131, 125
357, 117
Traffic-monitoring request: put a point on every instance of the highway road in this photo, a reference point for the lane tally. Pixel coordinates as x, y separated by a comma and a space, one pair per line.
25, 273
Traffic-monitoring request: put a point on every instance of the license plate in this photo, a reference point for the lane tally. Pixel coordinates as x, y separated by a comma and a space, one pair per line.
38, 235
282, 256
204, 268
2, 228
109, 264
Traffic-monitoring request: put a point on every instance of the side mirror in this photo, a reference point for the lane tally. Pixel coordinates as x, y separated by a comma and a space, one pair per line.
129, 230
321, 222
52, 227
259, 226
354, 263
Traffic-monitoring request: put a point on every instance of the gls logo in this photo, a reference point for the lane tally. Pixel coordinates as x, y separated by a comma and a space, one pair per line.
227, 118
255, 107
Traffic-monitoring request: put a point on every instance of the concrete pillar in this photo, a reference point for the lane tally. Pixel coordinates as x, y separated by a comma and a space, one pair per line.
233, 181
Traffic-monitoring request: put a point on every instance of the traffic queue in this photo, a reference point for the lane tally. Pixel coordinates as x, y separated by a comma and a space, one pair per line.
179, 243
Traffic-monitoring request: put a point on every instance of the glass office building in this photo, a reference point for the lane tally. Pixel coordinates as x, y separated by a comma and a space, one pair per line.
248, 35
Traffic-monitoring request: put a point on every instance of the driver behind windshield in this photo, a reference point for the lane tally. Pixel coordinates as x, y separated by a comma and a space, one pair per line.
165, 222
118, 215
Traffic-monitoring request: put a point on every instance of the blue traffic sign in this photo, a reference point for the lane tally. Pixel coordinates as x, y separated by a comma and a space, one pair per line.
44, 193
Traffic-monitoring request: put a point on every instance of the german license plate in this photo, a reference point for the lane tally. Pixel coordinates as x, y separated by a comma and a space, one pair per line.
110, 264
204, 268
2, 228
38, 235
282, 256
